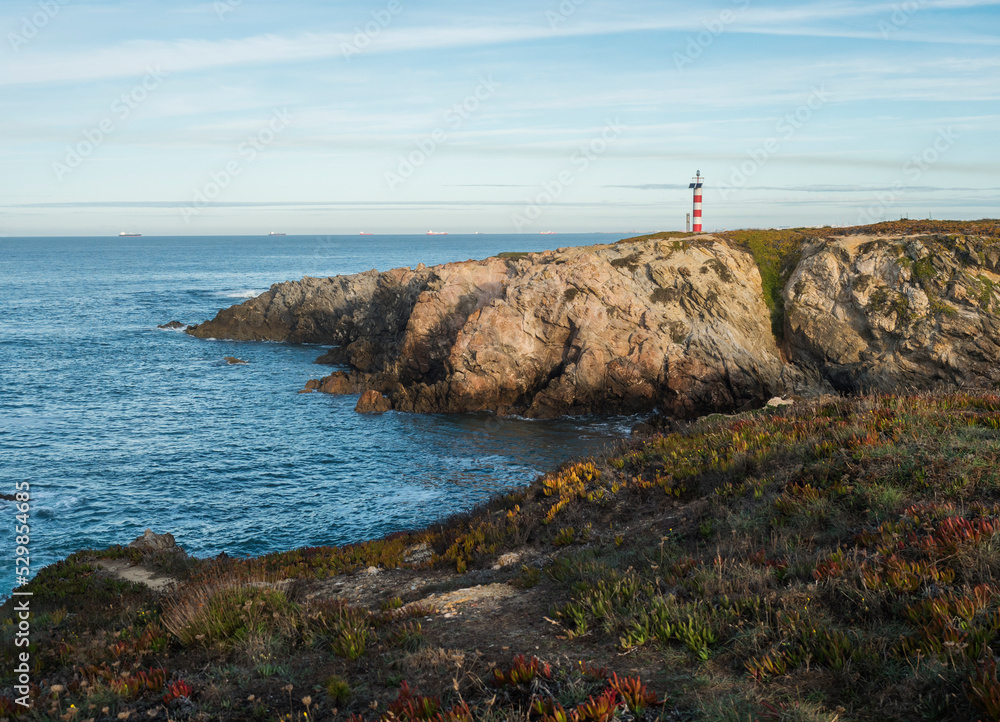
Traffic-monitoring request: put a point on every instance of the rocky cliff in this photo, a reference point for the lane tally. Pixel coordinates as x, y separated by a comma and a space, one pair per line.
897, 313
677, 324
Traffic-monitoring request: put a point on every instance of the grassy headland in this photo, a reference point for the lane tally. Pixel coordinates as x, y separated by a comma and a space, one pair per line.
835, 560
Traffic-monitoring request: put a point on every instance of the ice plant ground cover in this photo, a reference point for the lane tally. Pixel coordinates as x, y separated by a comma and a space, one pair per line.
837, 559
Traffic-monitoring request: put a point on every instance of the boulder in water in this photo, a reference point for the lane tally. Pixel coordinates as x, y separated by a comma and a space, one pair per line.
341, 384
373, 402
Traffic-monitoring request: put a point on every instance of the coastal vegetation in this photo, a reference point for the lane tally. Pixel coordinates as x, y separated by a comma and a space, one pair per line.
832, 560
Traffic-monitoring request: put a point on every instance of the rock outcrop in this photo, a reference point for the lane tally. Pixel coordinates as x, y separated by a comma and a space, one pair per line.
150, 542
676, 325
888, 314
373, 402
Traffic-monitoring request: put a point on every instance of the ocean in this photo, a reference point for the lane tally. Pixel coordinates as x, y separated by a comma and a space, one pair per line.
119, 426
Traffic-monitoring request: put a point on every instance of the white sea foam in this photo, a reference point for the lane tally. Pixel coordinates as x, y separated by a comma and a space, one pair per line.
243, 293
67, 503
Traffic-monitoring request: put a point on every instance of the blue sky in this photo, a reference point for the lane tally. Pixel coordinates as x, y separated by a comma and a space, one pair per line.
395, 116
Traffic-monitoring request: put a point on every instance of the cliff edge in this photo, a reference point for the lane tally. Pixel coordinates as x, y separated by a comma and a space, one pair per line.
686, 325
679, 325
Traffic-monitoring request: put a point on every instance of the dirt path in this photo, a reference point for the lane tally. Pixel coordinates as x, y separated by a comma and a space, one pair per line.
123, 570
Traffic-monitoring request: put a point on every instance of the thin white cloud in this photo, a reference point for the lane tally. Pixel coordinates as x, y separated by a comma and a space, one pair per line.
188, 55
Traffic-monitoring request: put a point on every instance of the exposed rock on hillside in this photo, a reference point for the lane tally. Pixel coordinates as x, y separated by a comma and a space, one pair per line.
152, 542
884, 314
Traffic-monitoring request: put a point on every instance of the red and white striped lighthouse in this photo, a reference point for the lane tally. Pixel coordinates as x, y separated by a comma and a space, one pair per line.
696, 185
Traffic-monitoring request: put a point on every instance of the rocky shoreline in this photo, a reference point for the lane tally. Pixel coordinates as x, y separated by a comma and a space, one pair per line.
677, 324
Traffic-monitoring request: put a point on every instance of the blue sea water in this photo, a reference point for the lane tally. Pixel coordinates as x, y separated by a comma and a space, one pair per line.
119, 426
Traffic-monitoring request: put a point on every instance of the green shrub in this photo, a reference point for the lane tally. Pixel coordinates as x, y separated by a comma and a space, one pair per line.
338, 690
345, 629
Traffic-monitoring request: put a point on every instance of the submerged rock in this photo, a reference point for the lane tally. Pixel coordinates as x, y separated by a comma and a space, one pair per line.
173, 326
233, 361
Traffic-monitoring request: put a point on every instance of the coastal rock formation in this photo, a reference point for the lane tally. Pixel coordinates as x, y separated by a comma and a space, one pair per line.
678, 325
675, 325
885, 314
373, 402
334, 357
151, 542
370, 308
627, 328
341, 383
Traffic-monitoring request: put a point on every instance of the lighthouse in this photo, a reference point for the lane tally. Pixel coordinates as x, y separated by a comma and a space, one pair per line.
696, 185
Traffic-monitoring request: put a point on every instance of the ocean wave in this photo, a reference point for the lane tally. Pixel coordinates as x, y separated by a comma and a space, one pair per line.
244, 293
67, 503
